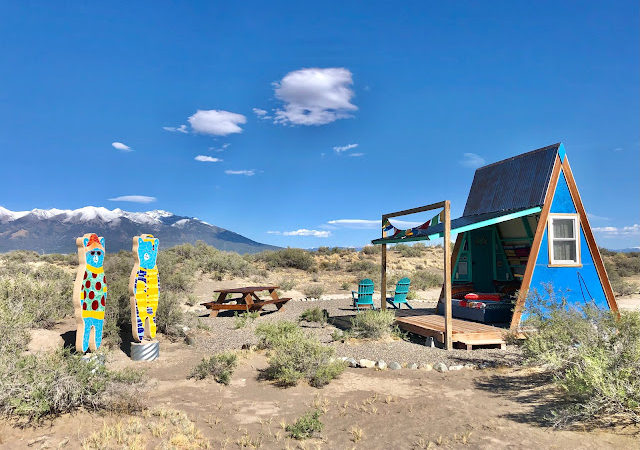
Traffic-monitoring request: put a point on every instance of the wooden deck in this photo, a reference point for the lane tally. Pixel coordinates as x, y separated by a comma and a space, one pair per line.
465, 333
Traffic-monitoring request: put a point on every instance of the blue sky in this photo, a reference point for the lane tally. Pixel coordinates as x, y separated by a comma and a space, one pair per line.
303, 115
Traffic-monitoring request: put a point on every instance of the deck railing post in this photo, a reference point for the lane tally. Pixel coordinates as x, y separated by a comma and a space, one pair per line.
447, 276
383, 278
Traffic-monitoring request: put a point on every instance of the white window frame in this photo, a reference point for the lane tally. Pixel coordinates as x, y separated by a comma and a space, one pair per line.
576, 237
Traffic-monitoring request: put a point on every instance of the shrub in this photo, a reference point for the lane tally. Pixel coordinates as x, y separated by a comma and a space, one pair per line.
314, 291
373, 324
35, 386
295, 356
315, 315
330, 265
371, 249
287, 284
593, 356
220, 367
306, 425
169, 315
345, 286
425, 279
241, 320
363, 266
295, 258
407, 251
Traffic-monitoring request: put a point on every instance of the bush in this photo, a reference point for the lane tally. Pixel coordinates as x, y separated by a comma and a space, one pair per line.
295, 258
373, 324
306, 425
295, 356
371, 249
315, 315
287, 284
36, 386
407, 251
169, 316
593, 356
363, 266
425, 279
220, 367
241, 320
314, 291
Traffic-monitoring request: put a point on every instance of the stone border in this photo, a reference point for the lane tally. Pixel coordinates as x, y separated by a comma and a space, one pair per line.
394, 365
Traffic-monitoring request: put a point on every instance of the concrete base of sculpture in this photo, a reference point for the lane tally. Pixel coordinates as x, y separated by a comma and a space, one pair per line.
145, 351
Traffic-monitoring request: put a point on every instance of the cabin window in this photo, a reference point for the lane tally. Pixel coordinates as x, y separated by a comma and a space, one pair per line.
564, 240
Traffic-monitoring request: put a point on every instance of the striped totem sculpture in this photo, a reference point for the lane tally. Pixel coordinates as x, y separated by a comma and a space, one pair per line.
144, 288
89, 292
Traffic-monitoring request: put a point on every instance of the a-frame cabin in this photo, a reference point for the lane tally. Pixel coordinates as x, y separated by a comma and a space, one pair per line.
524, 227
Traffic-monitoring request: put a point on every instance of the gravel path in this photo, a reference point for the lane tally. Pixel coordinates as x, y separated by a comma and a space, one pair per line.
224, 336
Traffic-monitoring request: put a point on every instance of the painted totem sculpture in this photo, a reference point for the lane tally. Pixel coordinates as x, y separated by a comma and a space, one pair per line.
89, 292
144, 287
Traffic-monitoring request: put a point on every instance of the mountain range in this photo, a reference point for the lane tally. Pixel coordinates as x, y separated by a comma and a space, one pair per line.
55, 230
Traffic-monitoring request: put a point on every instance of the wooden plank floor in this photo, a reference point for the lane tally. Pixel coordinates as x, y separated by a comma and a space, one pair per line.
465, 332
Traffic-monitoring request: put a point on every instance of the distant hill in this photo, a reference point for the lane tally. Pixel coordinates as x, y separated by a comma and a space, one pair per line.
55, 230
628, 250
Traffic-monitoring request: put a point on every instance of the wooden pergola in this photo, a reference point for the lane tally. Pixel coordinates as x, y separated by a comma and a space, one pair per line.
446, 220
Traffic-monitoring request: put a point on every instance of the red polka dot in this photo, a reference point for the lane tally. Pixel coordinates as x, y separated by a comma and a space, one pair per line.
85, 275
94, 305
98, 286
102, 301
88, 284
104, 279
91, 295
84, 305
94, 275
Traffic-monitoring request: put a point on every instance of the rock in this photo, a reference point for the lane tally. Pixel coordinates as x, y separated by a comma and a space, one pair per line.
483, 366
44, 340
441, 367
185, 329
366, 363
352, 362
413, 366
381, 364
394, 365
469, 366
37, 440
343, 358
456, 367
63, 443
190, 339
426, 367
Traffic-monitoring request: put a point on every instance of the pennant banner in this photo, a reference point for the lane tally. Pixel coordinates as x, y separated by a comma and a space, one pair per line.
389, 231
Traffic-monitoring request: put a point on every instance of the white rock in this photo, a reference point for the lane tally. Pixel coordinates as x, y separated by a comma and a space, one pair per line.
366, 363
394, 365
441, 367
469, 366
381, 364
456, 367
413, 366
352, 362
426, 367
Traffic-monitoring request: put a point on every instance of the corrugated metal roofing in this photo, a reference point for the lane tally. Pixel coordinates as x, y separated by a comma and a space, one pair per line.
515, 183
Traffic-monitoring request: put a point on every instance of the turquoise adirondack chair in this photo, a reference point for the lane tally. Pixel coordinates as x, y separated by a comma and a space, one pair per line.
400, 295
364, 295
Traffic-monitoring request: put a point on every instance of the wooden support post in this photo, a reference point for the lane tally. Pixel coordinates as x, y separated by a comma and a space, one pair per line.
448, 331
383, 278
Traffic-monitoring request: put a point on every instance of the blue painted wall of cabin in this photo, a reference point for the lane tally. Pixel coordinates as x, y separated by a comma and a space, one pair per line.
565, 279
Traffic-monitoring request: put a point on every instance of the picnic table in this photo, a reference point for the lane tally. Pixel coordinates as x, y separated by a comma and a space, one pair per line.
247, 301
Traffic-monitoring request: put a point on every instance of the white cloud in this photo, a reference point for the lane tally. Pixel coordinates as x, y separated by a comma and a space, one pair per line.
121, 146
217, 122
134, 199
618, 149
262, 113
472, 160
595, 217
632, 230
181, 129
205, 158
356, 154
343, 148
305, 232
370, 224
315, 96
248, 173
222, 148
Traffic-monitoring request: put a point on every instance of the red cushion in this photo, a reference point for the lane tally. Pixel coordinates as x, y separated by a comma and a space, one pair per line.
490, 297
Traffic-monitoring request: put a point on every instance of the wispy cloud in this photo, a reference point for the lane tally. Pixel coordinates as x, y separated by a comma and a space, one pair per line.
303, 232
632, 230
472, 160
597, 218
134, 199
181, 129
222, 148
205, 158
315, 96
217, 122
343, 148
262, 113
121, 146
355, 155
370, 224
248, 173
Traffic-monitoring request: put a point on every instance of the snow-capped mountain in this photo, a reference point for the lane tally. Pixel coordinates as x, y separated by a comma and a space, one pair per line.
55, 230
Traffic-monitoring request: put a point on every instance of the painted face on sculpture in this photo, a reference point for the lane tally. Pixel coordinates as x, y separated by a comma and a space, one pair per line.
94, 251
148, 253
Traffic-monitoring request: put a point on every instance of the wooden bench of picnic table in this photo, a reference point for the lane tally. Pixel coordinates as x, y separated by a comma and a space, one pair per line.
248, 302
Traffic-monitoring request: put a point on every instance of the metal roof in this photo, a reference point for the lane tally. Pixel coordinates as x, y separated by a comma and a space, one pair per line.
515, 183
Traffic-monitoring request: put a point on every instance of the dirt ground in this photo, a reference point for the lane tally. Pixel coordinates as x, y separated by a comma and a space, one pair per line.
364, 408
